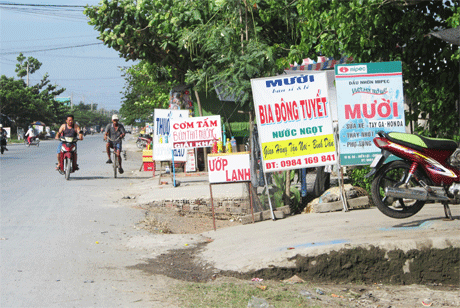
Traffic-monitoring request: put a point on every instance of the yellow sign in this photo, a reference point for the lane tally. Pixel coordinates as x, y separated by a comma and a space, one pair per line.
298, 147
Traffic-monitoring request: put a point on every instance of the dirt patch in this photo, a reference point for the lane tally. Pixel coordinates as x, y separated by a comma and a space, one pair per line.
180, 264
348, 278
172, 220
204, 286
433, 267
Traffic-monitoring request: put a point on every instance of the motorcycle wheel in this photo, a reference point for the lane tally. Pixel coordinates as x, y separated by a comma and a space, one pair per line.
38, 143
2, 149
394, 174
67, 166
139, 144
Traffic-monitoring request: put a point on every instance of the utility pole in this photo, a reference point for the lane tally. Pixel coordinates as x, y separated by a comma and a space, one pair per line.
71, 100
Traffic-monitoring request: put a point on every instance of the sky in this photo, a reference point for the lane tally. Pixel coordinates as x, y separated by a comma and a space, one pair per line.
90, 73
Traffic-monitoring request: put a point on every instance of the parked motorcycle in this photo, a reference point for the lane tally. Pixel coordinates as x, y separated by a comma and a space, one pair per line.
143, 140
67, 156
429, 171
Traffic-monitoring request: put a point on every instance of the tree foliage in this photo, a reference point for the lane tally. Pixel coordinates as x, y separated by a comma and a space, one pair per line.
228, 42
147, 87
392, 30
25, 105
31, 65
85, 117
201, 42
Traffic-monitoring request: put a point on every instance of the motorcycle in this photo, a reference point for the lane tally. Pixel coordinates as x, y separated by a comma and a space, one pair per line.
67, 156
143, 140
33, 141
2, 144
429, 171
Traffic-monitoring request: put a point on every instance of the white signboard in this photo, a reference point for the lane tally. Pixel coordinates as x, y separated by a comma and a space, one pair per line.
198, 132
370, 98
8, 132
227, 168
294, 121
190, 165
162, 145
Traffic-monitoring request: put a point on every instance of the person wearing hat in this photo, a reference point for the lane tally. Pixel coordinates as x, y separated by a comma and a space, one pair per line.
69, 129
3, 136
115, 132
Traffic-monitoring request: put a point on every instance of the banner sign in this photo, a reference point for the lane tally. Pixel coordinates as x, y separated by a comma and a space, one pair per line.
294, 121
227, 168
162, 145
198, 132
190, 164
8, 132
369, 99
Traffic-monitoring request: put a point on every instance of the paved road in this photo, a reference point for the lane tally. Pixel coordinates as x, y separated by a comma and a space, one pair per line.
63, 243
50, 228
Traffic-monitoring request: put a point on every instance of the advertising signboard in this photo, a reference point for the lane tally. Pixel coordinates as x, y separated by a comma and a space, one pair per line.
294, 121
162, 145
227, 168
197, 132
369, 99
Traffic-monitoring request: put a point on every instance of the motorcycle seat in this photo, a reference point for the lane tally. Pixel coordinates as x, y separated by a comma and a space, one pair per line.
421, 142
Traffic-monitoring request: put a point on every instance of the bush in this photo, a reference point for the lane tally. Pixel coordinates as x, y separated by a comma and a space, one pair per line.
356, 175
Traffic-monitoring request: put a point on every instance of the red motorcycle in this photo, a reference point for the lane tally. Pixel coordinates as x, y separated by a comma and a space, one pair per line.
67, 156
429, 171
143, 140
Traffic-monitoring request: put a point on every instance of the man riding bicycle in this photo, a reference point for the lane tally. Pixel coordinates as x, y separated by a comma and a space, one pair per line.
115, 133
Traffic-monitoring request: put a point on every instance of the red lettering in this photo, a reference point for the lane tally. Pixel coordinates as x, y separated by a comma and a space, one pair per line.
261, 114
278, 112
247, 174
355, 113
369, 115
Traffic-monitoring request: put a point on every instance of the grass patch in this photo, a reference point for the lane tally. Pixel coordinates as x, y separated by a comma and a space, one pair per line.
238, 293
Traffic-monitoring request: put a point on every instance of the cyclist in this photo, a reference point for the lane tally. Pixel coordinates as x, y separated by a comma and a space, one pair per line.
116, 132
69, 129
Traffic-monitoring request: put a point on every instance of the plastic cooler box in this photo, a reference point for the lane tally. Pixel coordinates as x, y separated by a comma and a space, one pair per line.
147, 159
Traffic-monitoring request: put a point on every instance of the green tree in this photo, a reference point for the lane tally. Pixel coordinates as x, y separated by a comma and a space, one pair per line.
24, 68
394, 30
201, 42
25, 104
86, 117
228, 42
147, 87
16, 100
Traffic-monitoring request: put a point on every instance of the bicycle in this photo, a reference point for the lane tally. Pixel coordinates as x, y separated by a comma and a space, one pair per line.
114, 157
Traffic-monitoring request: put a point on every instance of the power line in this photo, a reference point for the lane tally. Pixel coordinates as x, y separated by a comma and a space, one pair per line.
57, 48
47, 39
42, 5
57, 11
